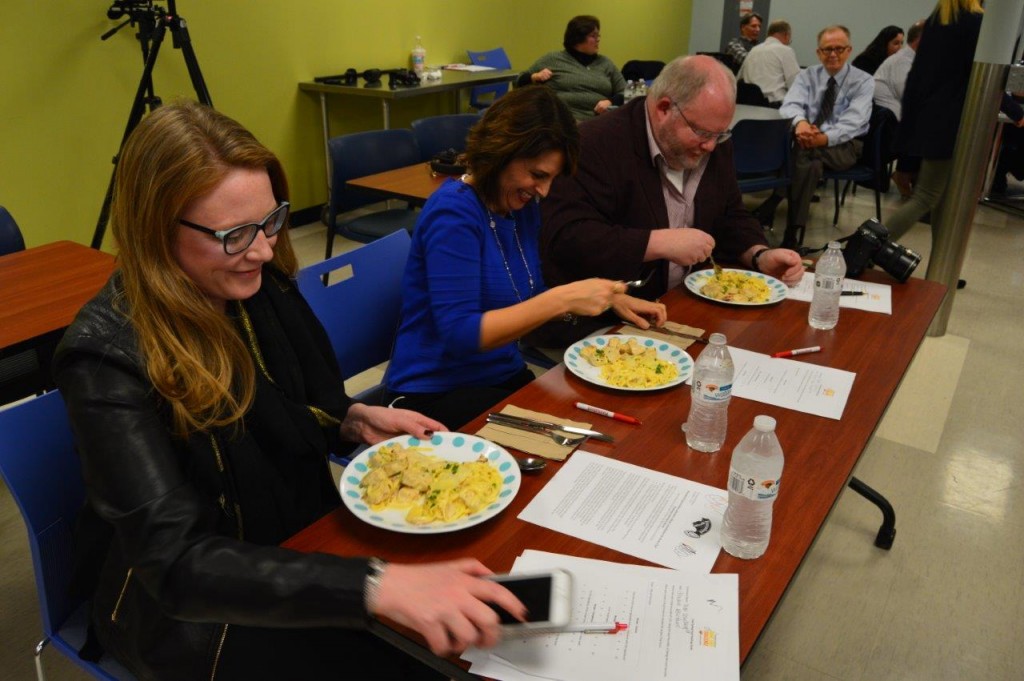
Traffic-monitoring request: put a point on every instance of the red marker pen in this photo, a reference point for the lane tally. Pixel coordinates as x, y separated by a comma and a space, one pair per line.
610, 414
798, 351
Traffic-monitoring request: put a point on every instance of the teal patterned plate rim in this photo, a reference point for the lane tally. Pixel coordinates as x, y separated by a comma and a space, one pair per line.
449, 446
696, 280
592, 374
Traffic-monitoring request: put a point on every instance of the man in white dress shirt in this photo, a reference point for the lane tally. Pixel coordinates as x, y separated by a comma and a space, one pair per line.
891, 76
772, 65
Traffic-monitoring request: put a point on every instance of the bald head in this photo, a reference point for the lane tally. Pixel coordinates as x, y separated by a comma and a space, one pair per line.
685, 79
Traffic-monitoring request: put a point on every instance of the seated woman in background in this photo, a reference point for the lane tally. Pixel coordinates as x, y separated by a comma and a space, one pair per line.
888, 42
586, 81
473, 285
205, 397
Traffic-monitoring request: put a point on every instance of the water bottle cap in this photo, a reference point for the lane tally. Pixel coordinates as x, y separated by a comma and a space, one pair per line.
763, 423
834, 244
717, 339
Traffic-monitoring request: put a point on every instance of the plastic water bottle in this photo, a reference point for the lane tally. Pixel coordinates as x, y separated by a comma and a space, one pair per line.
754, 476
630, 91
640, 90
419, 57
709, 397
828, 286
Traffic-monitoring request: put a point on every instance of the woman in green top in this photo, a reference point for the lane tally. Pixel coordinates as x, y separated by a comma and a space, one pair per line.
581, 78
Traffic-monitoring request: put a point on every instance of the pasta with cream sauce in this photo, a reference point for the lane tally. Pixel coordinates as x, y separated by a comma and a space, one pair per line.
630, 364
431, 488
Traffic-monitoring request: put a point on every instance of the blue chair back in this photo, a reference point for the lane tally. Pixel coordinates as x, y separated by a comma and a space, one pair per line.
440, 133
366, 153
483, 96
761, 153
39, 463
360, 313
11, 240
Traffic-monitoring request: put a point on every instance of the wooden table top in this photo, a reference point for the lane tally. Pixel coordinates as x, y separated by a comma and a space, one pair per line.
411, 183
820, 452
44, 287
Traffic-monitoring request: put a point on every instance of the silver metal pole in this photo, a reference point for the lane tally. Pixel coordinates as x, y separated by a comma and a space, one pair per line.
955, 213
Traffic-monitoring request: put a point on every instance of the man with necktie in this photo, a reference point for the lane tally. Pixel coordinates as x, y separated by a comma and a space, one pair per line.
830, 107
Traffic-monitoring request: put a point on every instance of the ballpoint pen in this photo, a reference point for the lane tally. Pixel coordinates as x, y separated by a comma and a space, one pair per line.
798, 351
852, 293
595, 628
610, 414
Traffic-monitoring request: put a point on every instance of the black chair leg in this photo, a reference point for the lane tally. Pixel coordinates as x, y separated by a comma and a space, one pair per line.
887, 532
835, 218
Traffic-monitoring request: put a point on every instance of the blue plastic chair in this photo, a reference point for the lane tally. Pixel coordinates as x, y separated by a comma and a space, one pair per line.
41, 468
435, 134
761, 153
870, 169
361, 312
483, 96
11, 240
366, 153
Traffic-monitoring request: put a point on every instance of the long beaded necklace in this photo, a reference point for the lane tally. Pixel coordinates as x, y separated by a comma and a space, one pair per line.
504, 260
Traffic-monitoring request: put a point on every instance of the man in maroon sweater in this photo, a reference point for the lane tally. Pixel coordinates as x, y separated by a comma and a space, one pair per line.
656, 192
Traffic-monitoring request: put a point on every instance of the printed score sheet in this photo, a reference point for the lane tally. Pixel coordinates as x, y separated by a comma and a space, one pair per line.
661, 518
681, 625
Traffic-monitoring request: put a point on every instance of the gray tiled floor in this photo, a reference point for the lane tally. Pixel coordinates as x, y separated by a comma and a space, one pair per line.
945, 602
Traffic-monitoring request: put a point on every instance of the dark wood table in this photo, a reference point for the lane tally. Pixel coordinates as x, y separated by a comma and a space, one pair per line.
43, 288
820, 452
413, 183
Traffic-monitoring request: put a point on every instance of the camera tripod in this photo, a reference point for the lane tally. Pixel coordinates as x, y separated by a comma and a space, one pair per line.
153, 23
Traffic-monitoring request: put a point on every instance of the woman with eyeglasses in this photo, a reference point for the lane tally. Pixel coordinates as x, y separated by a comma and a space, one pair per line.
586, 81
205, 397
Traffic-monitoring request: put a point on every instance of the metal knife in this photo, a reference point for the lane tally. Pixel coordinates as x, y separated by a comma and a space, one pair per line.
670, 332
508, 419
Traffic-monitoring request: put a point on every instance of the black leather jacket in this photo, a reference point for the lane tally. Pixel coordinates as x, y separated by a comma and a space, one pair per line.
176, 577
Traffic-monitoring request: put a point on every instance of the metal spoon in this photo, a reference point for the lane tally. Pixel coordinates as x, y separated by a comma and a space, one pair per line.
529, 464
718, 268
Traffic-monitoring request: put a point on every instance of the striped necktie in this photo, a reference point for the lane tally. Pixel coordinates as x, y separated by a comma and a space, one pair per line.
828, 102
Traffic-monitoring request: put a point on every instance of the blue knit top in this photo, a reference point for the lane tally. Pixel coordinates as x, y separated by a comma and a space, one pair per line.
456, 272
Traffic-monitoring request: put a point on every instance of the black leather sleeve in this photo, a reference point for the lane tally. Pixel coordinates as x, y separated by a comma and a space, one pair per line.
164, 528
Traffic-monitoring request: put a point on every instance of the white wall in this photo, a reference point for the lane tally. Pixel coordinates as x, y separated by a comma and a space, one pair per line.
864, 18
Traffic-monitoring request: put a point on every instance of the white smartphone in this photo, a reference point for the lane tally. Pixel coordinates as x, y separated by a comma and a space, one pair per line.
547, 596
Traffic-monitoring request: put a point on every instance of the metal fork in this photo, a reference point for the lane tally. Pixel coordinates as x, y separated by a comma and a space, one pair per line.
639, 283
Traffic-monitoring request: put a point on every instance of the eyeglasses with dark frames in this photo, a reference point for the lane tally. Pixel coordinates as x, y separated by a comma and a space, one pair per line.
704, 135
833, 50
239, 238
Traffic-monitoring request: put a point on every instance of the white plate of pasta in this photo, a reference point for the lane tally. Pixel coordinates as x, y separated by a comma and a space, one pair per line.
625, 362
736, 287
448, 483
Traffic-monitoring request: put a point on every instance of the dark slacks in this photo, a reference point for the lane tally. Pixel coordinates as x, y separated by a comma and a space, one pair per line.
808, 167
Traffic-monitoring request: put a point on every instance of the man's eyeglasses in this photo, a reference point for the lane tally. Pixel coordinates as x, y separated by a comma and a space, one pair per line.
239, 238
704, 135
833, 50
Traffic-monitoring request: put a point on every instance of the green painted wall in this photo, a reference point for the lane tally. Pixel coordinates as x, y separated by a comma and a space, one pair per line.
66, 94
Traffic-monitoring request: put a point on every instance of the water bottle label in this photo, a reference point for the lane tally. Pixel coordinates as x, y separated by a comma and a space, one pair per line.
713, 392
828, 283
753, 488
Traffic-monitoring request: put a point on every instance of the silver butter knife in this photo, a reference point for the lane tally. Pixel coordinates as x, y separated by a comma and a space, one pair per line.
508, 419
670, 332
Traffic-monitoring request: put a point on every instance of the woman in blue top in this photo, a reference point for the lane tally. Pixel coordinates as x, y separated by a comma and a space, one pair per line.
473, 285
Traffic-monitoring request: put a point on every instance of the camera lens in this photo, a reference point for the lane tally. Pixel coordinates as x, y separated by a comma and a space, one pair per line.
898, 261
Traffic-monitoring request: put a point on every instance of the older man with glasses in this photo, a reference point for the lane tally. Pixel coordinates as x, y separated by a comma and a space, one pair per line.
830, 105
655, 192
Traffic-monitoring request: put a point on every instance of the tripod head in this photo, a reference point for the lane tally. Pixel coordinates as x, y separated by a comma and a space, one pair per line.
142, 12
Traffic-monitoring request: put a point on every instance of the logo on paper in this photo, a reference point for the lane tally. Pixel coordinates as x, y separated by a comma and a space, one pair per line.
708, 638
700, 528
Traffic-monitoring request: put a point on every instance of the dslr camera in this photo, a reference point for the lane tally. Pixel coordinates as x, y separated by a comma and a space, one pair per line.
870, 245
